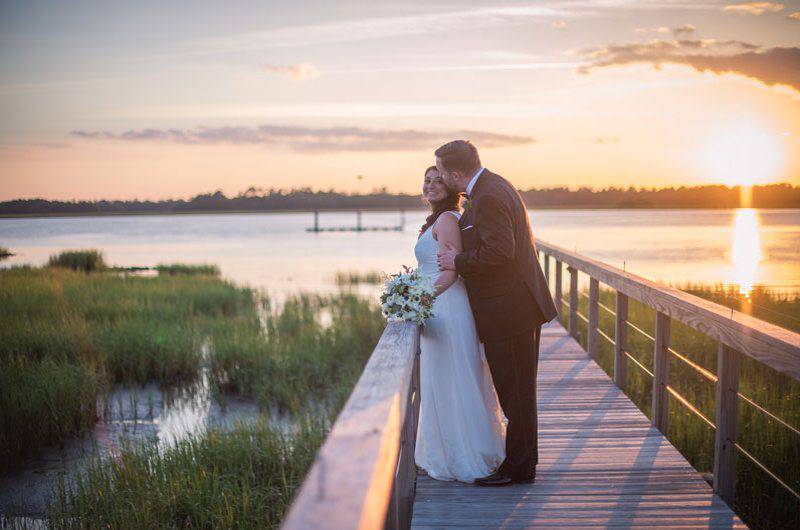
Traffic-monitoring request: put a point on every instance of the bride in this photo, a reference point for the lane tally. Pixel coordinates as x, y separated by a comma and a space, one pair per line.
461, 425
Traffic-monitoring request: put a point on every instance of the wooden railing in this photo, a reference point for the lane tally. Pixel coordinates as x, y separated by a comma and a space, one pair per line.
364, 474
737, 334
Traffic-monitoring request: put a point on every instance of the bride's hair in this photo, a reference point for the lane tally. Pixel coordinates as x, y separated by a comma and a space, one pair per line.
448, 204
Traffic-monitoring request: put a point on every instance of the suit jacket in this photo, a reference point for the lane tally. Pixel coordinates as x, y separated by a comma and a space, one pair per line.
505, 284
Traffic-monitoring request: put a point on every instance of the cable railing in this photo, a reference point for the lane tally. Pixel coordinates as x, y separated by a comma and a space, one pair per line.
737, 334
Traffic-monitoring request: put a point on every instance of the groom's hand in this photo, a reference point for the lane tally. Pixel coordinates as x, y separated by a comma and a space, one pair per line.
446, 259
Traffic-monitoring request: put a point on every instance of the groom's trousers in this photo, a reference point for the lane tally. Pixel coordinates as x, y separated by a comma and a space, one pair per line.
513, 362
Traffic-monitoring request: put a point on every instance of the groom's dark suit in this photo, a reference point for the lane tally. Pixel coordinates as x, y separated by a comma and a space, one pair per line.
510, 301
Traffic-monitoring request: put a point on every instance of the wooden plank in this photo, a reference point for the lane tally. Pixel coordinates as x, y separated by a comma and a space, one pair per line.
777, 347
349, 485
601, 464
728, 362
621, 341
594, 316
573, 301
661, 373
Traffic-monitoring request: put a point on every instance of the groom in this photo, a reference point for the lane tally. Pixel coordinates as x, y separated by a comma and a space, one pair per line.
508, 294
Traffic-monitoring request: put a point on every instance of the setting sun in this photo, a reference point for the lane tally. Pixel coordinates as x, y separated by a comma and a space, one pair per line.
743, 155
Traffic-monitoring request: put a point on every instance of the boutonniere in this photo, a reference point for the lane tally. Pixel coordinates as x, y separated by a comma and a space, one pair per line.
467, 204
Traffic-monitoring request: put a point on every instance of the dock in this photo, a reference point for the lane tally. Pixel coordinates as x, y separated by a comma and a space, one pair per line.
603, 463
359, 226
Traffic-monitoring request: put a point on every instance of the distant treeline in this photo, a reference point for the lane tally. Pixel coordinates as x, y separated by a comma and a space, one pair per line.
256, 200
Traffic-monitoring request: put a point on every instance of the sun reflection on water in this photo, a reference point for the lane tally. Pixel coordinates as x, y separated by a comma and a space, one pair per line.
746, 250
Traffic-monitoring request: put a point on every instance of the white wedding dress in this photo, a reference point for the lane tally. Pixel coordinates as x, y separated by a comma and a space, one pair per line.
461, 430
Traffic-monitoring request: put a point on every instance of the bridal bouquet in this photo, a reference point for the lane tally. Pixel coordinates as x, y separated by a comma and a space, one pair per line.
408, 296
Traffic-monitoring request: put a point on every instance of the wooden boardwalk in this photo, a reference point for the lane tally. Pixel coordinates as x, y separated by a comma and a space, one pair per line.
601, 464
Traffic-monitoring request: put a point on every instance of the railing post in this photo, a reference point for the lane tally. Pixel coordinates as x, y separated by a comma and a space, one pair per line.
547, 270
728, 361
661, 373
573, 301
621, 341
558, 296
594, 317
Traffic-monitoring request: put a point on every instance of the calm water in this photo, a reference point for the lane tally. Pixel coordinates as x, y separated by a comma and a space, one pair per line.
273, 251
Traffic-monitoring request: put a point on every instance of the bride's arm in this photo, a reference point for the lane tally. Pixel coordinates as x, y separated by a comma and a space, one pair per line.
446, 231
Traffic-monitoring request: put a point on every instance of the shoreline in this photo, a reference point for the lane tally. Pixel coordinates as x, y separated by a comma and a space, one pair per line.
50, 215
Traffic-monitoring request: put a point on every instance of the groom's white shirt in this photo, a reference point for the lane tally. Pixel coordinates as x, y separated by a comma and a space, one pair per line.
473, 181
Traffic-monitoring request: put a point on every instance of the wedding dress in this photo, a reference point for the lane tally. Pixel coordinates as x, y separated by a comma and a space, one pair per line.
461, 430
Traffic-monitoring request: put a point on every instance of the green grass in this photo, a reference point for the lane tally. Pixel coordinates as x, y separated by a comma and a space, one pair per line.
760, 501
355, 278
79, 260
109, 329
180, 268
245, 478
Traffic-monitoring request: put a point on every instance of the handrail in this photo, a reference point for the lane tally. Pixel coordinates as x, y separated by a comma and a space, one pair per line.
776, 347
363, 476
735, 332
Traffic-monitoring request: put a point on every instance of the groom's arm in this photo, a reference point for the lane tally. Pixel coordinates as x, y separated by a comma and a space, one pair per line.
495, 226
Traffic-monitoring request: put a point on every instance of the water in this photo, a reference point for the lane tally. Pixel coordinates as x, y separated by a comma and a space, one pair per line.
274, 252
742, 247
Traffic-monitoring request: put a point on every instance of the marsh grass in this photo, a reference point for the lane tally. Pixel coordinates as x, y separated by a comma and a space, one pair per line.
760, 501
356, 278
244, 478
181, 268
79, 260
298, 359
66, 334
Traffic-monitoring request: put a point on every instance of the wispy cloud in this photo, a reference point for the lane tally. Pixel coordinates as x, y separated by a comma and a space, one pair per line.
794, 16
309, 139
355, 30
770, 66
754, 8
297, 71
559, 24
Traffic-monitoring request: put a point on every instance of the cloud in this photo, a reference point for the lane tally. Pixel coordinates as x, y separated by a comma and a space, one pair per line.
559, 24
686, 29
770, 66
298, 71
308, 139
754, 8
794, 16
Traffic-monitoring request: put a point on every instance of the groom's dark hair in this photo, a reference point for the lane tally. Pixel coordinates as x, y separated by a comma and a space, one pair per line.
459, 155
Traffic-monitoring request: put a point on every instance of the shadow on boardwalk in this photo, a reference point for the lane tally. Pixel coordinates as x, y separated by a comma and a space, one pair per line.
601, 464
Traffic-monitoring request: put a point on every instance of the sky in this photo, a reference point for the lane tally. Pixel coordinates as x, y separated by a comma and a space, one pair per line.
152, 100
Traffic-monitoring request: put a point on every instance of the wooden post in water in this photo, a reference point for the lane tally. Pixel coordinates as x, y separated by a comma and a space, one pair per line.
558, 295
316, 220
573, 301
621, 341
728, 362
661, 373
594, 317
358, 220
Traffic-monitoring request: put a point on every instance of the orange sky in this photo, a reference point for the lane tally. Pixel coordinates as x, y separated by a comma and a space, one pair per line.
104, 103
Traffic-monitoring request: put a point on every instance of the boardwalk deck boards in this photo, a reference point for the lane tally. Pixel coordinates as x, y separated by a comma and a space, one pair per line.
601, 464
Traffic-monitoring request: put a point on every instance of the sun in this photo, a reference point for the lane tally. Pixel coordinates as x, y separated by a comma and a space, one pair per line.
742, 155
